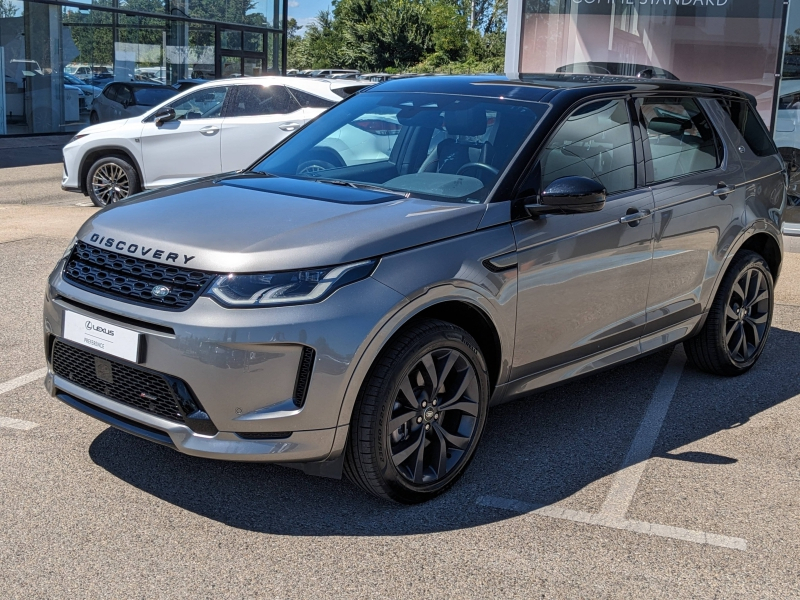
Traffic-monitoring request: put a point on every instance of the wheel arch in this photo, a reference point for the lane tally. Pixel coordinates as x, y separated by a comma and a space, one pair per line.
106, 151
464, 309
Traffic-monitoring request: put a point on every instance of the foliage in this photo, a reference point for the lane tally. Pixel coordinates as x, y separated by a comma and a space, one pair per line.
7, 9
400, 35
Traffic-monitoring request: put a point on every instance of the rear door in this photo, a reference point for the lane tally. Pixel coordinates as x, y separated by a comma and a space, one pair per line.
697, 188
258, 117
188, 146
583, 278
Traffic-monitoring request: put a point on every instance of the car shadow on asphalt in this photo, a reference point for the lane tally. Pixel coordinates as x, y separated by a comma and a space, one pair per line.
541, 450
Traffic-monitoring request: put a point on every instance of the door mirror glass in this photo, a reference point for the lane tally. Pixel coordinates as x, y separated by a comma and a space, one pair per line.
165, 114
569, 195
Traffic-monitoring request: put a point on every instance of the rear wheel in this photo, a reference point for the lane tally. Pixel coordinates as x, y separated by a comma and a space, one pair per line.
111, 179
739, 320
420, 414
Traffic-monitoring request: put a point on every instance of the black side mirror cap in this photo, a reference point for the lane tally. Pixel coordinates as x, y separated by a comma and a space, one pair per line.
569, 195
165, 114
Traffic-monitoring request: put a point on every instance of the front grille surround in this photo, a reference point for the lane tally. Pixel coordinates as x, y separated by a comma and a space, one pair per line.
132, 279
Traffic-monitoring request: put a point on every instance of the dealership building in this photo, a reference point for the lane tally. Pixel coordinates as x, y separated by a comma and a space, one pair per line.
55, 54
750, 45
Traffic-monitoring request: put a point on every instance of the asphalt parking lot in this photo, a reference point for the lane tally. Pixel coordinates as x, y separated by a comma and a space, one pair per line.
652, 480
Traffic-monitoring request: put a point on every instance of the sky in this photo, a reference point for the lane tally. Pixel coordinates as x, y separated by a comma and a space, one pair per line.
306, 10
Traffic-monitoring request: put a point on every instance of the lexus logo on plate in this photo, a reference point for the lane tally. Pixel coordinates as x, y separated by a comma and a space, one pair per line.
160, 291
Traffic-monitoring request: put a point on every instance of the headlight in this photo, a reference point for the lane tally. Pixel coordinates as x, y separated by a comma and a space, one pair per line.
68, 251
77, 136
291, 287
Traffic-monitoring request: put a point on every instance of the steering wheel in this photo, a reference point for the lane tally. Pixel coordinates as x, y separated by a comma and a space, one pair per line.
480, 165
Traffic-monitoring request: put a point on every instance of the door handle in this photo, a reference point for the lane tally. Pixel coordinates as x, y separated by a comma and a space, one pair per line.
634, 218
290, 126
209, 129
723, 190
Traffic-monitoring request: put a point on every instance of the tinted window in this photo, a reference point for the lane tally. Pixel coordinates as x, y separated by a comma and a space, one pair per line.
594, 142
124, 95
681, 138
253, 100
202, 104
752, 127
307, 100
153, 96
111, 92
345, 92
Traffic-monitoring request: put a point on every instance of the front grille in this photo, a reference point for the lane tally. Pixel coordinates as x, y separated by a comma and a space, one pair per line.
126, 384
133, 279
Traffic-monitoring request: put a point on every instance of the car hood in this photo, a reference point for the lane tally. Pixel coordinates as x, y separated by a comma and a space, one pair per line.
104, 127
248, 223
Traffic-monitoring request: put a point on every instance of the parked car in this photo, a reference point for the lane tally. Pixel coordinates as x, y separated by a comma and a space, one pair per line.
185, 84
215, 127
121, 100
787, 137
554, 230
90, 91
330, 72
374, 77
88, 71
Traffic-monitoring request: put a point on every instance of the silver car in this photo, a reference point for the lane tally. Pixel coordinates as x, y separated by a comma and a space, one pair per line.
362, 318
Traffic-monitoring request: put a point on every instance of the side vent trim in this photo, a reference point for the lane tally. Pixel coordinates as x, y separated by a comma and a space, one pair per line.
303, 376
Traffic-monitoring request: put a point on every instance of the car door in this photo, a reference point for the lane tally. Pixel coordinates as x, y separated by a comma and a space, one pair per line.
583, 278
189, 145
697, 191
259, 116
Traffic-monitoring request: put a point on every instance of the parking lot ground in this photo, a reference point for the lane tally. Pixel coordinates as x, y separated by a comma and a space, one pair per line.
654, 447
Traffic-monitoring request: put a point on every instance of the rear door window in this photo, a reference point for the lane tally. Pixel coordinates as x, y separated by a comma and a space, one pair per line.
255, 100
750, 125
682, 141
595, 142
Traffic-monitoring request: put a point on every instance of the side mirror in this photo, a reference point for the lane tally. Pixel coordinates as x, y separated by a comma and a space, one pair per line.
165, 114
569, 195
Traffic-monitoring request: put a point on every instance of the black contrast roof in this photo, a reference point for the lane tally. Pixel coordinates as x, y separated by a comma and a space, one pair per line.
544, 87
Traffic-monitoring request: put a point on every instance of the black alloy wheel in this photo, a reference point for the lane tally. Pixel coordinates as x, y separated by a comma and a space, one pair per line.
739, 319
420, 414
434, 416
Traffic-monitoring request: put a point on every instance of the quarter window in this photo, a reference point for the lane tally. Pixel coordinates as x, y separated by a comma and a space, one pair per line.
594, 142
202, 104
750, 125
307, 100
255, 100
111, 92
681, 139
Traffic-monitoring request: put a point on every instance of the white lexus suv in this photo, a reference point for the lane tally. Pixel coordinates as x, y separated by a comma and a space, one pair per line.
213, 128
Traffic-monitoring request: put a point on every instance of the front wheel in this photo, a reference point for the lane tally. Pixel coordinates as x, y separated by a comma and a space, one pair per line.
739, 319
420, 414
111, 179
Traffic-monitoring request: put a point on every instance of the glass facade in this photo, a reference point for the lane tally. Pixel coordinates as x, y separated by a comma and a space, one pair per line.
750, 45
55, 58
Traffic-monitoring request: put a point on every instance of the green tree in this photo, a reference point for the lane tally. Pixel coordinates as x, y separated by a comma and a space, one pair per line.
7, 9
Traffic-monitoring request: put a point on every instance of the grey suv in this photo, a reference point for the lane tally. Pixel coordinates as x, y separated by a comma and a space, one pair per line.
362, 315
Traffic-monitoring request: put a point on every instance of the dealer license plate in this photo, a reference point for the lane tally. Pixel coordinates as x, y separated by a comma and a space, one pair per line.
100, 335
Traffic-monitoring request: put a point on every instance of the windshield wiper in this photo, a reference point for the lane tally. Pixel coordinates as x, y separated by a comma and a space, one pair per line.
363, 186
263, 173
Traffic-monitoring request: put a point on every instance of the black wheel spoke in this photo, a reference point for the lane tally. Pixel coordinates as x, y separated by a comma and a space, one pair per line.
456, 441
737, 289
730, 313
745, 323
401, 456
760, 297
434, 416
755, 332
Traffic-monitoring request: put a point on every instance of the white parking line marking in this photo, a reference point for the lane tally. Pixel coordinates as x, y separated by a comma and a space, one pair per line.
13, 384
623, 487
17, 424
627, 479
577, 516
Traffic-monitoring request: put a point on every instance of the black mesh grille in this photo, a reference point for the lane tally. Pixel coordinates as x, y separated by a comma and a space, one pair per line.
303, 376
126, 384
133, 279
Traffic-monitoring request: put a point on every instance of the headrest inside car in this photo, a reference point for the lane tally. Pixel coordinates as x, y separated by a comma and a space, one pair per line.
465, 122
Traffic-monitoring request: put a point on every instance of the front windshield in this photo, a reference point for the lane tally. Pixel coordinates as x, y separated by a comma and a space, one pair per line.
440, 146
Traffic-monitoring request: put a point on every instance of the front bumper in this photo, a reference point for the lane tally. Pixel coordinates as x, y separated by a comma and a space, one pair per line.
242, 366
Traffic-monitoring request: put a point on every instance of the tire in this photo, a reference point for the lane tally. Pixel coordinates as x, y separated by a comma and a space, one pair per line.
94, 119
111, 179
410, 450
320, 161
739, 320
